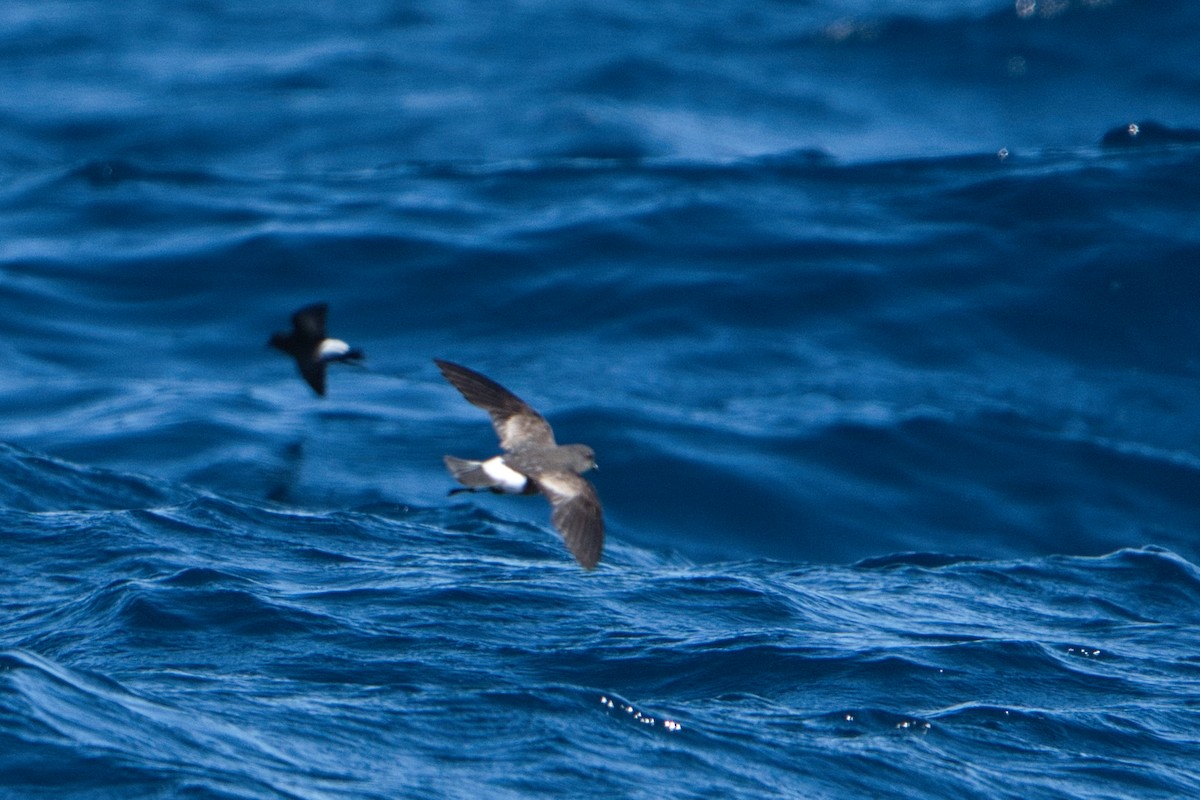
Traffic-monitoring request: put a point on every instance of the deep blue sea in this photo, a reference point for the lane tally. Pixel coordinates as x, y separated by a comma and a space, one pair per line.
883, 319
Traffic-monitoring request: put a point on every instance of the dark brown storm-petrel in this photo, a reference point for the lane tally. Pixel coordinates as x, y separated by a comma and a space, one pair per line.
313, 350
532, 462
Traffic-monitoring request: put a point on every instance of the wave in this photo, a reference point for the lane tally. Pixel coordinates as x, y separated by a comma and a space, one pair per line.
886, 353
871, 382
92, 735
156, 645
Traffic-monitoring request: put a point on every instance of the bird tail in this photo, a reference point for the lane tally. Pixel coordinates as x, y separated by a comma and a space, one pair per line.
469, 473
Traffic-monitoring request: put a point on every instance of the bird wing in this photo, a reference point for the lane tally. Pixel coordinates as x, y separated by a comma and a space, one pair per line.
576, 513
314, 373
310, 321
516, 423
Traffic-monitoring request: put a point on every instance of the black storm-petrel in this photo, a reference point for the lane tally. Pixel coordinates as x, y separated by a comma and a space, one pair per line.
532, 462
312, 349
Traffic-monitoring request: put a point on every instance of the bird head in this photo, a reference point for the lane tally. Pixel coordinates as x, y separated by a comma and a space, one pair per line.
583, 457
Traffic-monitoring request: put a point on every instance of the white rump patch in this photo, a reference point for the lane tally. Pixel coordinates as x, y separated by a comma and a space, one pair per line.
330, 349
507, 479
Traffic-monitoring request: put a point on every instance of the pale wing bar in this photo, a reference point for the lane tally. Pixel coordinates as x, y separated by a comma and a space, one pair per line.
516, 423
576, 515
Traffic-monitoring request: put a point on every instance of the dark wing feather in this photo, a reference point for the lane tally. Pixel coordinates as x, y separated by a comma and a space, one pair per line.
309, 321
314, 373
576, 513
516, 423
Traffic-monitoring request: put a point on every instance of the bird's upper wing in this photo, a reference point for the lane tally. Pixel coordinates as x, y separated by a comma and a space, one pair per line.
310, 321
516, 423
576, 513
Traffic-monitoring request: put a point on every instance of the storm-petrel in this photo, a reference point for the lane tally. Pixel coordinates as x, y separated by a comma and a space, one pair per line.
312, 349
532, 462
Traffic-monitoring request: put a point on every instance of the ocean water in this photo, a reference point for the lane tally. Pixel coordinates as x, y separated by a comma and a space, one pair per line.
881, 318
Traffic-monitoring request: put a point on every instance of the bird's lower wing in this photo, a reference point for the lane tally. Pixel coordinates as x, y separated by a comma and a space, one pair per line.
576, 514
314, 373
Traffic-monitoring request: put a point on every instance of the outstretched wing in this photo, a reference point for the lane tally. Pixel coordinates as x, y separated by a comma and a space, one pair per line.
576, 513
310, 321
314, 373
516, 423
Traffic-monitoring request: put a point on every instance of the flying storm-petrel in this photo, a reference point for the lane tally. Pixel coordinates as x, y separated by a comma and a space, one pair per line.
312, 349
532, 462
